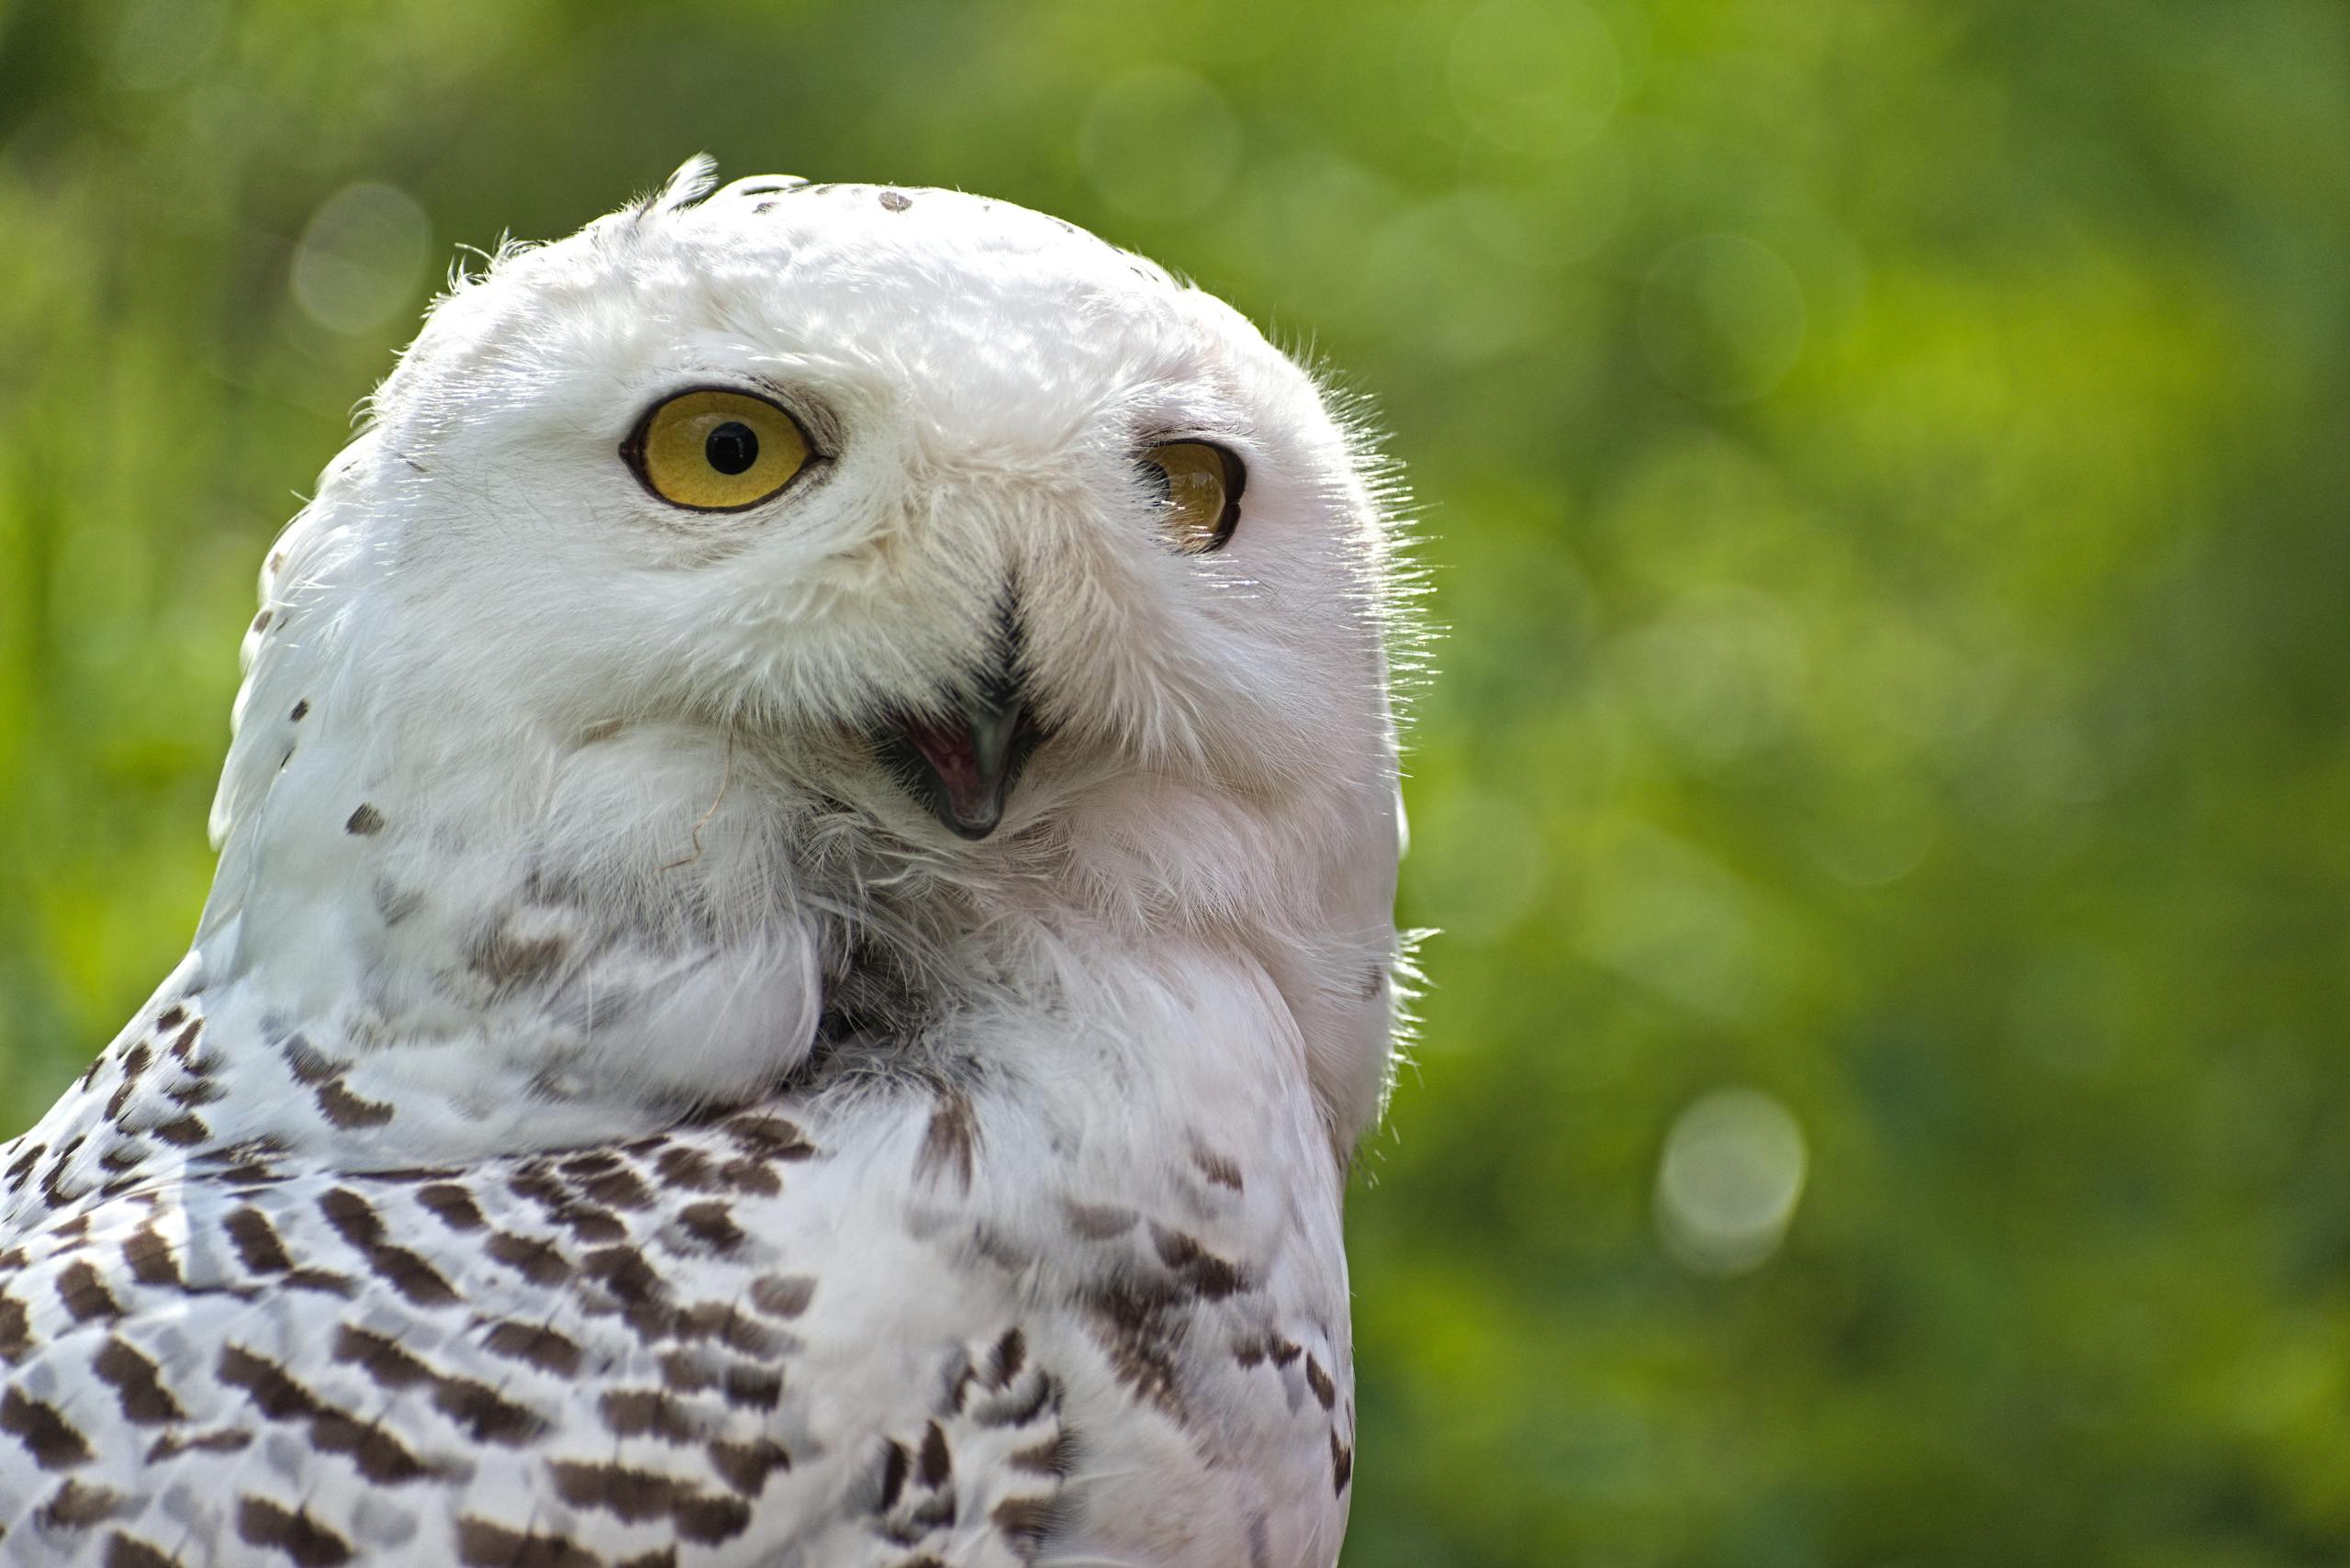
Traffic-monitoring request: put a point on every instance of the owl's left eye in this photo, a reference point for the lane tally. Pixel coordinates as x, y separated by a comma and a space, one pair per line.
1201, 483
716, 450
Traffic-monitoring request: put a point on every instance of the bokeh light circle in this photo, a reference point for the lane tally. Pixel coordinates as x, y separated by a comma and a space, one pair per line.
1726, 1188
361, 258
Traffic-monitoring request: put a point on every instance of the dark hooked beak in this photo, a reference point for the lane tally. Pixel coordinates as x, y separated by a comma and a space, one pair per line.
962, 761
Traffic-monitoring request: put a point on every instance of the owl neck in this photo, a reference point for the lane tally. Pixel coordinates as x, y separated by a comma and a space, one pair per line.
575, 933
1147, 909
516, 936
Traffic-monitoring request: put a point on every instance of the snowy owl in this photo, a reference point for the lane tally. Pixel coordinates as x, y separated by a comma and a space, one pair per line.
802, 941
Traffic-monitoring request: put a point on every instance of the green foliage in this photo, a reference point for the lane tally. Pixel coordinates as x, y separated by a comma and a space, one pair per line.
1884, 468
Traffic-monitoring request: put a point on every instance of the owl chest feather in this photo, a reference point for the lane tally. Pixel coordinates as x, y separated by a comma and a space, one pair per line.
1089, 1303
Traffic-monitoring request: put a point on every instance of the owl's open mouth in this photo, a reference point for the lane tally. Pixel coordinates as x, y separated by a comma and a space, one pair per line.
962, 764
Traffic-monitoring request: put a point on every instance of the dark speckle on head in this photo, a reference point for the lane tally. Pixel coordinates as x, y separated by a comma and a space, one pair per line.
364, 822
896, 201
301, 708
260, 622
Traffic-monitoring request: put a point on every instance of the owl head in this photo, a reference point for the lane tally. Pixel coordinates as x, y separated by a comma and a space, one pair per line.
900, 556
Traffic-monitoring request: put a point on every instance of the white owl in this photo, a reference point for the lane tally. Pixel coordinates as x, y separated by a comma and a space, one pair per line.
802, 941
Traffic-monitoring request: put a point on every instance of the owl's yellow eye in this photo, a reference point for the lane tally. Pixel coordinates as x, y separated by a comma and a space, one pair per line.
715, 449
1203, 483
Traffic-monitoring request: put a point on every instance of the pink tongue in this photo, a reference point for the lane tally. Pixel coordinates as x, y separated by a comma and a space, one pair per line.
947, 748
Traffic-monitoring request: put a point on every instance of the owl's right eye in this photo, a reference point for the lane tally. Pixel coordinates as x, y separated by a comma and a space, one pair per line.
716, 450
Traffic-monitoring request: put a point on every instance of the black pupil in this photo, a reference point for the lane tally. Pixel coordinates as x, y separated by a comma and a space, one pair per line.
732, 448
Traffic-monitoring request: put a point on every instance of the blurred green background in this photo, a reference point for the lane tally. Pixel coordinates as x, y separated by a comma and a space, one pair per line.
1885, 467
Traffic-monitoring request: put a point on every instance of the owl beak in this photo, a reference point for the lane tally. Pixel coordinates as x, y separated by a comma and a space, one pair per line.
962, 764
